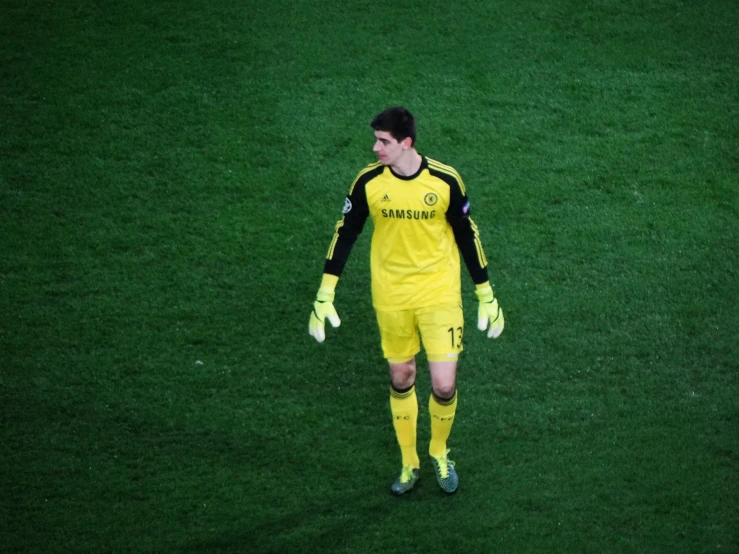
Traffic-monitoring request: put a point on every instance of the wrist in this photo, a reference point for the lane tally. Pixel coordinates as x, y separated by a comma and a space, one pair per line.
329, 281
325, 294
327, 288
484, 292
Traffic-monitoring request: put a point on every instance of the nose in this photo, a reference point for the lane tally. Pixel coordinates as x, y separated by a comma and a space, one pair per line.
377, 147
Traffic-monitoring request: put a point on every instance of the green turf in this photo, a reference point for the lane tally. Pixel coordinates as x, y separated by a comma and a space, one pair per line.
170, 174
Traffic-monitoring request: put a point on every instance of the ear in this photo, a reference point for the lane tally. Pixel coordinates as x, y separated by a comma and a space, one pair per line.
407, 143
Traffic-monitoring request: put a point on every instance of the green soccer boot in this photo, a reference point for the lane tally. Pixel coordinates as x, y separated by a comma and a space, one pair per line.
404, 483
446, 475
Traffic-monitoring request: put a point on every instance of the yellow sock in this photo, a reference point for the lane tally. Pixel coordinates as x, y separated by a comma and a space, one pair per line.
404, 407
442, 418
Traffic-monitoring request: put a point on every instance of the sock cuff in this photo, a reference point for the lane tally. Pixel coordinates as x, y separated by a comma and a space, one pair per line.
404, 393
445, 401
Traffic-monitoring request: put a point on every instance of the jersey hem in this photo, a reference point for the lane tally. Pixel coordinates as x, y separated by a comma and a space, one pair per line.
443, 304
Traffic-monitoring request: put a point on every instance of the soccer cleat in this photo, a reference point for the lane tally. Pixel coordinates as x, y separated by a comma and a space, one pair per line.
446, 475
404, 483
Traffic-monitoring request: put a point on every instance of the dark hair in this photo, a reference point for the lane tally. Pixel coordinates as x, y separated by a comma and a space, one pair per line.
397, 121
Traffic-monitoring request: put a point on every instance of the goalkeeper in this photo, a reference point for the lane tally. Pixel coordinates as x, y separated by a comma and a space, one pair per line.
421, 216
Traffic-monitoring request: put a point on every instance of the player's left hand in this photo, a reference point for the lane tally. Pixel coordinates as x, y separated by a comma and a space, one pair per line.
489, 312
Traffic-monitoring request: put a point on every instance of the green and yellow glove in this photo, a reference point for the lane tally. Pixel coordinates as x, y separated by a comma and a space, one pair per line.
323, 308
488, 312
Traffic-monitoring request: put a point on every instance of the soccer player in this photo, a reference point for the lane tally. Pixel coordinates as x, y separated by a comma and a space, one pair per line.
422, 222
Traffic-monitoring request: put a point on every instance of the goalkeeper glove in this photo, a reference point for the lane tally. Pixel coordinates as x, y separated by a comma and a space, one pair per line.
489, 312
323, 308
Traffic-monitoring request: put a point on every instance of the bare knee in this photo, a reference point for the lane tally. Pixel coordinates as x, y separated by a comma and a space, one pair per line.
444, 391
403, 375
443, 379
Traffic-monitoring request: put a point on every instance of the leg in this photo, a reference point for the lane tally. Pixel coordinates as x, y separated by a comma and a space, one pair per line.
442, 329
442, 404
404, 408
400, 344
442, 407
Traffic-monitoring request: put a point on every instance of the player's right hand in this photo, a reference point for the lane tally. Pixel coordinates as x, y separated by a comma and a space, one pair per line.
323, 308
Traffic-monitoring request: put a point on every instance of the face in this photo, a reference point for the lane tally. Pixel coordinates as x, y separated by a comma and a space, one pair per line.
388, 149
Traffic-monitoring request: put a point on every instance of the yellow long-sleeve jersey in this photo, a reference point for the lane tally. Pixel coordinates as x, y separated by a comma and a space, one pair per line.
421, 224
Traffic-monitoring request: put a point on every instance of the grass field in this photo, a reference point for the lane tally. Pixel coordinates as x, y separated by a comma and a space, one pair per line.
170, 174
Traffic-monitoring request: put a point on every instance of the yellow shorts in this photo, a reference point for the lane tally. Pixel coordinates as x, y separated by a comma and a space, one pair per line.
440, 327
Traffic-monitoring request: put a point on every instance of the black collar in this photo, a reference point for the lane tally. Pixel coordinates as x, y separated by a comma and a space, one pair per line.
424, 165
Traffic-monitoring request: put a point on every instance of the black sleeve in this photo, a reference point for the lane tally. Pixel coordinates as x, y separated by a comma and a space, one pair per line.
348, 228
466, 233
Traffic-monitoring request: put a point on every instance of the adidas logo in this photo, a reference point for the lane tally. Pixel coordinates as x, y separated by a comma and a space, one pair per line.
386, 198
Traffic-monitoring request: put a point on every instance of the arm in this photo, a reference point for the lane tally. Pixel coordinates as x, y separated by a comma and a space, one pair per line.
467, 236
466, 233
348, 229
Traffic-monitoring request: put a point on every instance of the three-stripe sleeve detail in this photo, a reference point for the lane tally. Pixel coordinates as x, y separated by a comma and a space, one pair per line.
478, 244
334, 240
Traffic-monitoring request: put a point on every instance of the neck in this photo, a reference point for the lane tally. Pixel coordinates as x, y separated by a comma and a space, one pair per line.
408, 164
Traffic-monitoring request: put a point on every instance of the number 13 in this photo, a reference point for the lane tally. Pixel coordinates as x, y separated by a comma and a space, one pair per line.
456, 337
